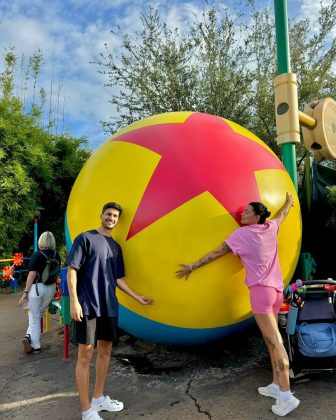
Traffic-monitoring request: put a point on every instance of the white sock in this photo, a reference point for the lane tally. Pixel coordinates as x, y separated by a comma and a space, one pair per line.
285, 395
85, 414
98, 400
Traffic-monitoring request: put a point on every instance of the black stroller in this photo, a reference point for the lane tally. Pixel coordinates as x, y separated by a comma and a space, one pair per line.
310, 335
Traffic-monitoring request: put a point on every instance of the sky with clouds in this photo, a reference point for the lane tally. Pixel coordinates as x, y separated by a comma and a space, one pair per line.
72, 33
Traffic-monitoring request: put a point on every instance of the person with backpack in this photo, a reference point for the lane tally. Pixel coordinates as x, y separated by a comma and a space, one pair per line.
44, 268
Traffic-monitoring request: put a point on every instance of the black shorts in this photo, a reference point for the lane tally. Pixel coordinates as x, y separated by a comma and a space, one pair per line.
91, 329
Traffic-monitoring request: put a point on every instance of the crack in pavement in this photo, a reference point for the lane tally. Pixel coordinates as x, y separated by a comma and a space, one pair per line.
199, 409
10, 379
17, 371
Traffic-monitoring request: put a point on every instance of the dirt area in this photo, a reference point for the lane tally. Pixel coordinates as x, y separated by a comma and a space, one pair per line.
154, 382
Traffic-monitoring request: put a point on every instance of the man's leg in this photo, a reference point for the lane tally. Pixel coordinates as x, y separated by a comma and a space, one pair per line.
104, 349
85, 352
106, 335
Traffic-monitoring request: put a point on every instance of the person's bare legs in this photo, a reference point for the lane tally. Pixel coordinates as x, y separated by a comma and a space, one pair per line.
269, 347
104, 349
85, 352
268, 326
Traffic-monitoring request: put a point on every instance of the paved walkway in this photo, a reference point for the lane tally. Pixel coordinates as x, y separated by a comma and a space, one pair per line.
153, 382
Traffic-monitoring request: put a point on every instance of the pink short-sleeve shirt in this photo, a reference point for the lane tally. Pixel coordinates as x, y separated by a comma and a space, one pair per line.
257, 246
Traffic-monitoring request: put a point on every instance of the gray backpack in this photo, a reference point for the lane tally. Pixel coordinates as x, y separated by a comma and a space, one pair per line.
51, 270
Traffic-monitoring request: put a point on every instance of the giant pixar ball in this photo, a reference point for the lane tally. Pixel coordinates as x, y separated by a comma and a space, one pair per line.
183, 179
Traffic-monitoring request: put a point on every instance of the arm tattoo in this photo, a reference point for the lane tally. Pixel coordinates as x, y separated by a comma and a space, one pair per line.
211, 256
204, 260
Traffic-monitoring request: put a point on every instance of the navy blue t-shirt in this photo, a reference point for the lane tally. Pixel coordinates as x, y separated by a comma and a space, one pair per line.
99, 262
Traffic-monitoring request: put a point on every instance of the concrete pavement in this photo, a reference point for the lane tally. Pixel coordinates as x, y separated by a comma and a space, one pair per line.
216, 382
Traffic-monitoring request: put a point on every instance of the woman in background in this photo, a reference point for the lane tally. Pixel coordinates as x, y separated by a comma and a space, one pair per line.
37, 294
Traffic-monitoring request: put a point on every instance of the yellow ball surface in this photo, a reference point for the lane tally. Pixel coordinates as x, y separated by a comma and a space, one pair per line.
183, 179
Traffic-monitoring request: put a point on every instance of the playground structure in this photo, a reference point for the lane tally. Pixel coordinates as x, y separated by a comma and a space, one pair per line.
318, 120
7, 271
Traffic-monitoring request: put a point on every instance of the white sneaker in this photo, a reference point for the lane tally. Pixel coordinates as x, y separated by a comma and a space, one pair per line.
93, 416
281, 408
108, 405
269, 391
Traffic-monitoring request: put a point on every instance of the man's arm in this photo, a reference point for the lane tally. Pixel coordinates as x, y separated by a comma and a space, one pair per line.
186, 269
283, 212
125, 288
75, 308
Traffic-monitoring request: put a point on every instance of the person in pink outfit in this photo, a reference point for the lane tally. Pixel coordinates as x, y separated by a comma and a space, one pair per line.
255, 242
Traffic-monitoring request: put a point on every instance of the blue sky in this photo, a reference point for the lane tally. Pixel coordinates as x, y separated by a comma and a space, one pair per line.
72, 33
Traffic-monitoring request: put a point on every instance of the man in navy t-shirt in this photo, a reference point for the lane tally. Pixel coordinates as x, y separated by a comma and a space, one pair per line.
95, 269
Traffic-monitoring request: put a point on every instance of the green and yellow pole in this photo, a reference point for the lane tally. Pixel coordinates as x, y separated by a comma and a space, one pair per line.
283, 66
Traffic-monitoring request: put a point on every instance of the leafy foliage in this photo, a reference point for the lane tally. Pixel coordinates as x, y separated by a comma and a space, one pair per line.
37, 167
331, 197
222, 63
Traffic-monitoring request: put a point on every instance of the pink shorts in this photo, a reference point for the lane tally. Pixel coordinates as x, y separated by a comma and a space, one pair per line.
265, 300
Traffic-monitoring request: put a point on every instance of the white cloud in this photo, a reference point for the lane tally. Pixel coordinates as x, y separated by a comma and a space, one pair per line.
310, 10
69, 45
72, 33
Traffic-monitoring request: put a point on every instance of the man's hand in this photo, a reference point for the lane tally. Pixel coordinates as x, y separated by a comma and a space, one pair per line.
76, 311
145, 300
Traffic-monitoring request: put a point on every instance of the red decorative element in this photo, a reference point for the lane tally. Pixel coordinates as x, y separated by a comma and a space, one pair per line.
59, 290
18, 258
330, 287
7, 272
201, 154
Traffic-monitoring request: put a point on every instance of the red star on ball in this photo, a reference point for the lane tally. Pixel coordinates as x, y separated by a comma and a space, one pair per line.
201, 154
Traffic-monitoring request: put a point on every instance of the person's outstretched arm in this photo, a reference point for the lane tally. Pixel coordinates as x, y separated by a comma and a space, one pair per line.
283, 212
186, 269
125, 288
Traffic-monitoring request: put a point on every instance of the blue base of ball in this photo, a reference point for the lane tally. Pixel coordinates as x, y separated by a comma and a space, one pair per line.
156, 332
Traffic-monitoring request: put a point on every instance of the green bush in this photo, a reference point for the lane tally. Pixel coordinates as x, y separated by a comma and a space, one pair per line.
331, 197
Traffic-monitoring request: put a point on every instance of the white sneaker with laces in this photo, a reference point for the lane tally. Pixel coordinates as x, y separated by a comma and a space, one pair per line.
281, 408
93, 416
269, 391
108, 405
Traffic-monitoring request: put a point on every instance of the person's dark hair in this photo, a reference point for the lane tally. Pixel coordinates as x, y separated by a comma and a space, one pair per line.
260, 210
113, 205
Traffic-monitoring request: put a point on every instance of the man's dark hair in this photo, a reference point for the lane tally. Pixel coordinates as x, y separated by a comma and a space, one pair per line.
260, 210
113, 205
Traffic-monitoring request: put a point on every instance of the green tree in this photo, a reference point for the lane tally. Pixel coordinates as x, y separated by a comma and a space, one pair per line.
37, 167
331, 199
222, 63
